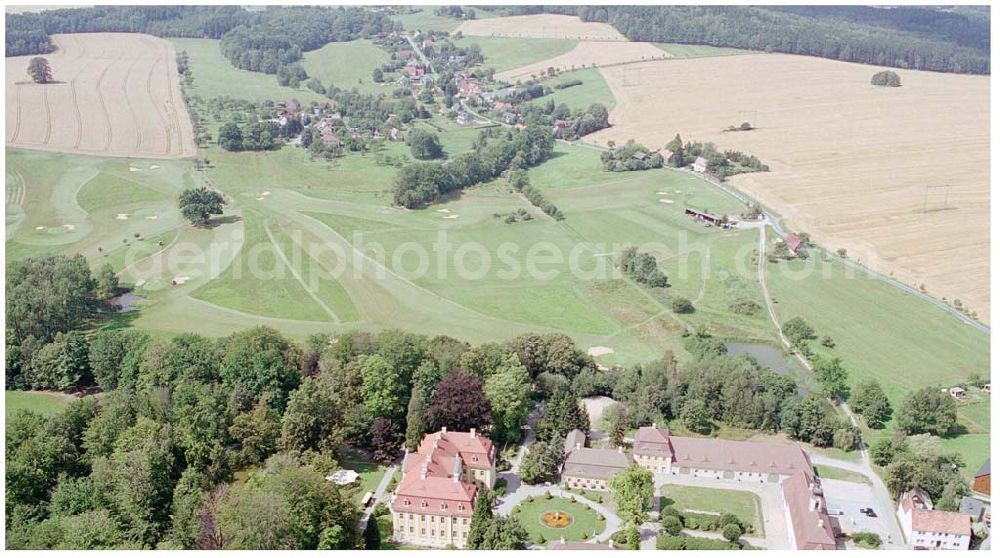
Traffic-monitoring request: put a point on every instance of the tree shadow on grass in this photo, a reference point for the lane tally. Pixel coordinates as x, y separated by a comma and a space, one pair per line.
219, 221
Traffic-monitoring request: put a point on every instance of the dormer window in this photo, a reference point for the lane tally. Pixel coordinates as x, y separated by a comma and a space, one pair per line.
444, 506
461, 507
406, 502
423, 503
475, 458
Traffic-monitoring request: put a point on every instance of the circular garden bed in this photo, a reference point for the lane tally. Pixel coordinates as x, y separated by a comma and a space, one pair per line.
558, 517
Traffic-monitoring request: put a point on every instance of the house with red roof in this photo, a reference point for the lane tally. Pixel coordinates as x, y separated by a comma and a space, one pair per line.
700, 164
432, 506
794, 243
928, 529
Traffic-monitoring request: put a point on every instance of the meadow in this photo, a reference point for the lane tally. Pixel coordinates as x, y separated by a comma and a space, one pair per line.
43, 403
214, 76
347, 65
593, 90
502, 53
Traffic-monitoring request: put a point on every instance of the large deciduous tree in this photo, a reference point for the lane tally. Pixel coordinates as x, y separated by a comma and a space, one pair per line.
199, 204
459, 404
927, 410
632, 490
39, 70
507, 390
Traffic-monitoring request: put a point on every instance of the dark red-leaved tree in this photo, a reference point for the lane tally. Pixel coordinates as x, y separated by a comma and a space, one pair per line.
386, 440
459, 403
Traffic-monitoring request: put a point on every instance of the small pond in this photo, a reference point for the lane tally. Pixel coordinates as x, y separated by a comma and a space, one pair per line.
125, 301
765, 355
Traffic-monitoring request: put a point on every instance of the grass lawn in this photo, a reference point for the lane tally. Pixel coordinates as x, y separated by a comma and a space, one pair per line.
347, 65
585, 521
43, 403
699, 51
827, 472
593, 90
744, 505
371, 473
215, 76
503, 53
595, 496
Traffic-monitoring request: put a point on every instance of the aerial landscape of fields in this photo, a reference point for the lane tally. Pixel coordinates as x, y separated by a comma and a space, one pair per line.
243, 275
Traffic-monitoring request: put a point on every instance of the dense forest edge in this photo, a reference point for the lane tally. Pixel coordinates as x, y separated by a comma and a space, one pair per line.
919, 38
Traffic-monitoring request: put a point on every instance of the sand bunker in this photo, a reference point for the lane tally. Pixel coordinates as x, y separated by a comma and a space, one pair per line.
69, 227
259, 198
179, 280
140, 282
153, 217
122, 216
154, 167
39, 228
133, 169
266, 193
665, 200
600, 351
452, 216
444, 211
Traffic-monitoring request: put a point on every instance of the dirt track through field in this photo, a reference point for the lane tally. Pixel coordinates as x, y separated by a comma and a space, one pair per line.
588, 54
114, 94
859, 167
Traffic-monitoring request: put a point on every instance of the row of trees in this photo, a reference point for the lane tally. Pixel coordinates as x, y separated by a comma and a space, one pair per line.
519, 181
501, 150
641, 267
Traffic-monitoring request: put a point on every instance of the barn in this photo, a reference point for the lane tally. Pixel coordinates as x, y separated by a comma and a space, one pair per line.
704, 216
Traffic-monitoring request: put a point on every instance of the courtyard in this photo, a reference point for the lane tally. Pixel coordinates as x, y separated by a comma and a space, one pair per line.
557, 518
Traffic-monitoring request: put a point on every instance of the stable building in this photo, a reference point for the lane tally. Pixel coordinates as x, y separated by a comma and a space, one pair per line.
809, 522
704, 216
433, 504
592, 468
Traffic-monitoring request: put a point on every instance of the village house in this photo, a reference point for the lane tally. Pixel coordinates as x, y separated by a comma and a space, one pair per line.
928, 529
434, 501
508, 118
464, 118
981, 482
667, 155
794, 243
592, 468
559, 126
659, 452
700, 164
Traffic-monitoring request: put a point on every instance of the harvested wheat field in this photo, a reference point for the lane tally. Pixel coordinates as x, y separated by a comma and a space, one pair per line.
541, 26
851, 163
588, 54
114, 94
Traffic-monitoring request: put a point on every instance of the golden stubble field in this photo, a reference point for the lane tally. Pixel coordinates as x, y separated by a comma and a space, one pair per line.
116, 95
851, 163
541, 26
588, 54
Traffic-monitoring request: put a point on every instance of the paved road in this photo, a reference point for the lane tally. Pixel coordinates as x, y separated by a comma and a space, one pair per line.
380, 495
420, 53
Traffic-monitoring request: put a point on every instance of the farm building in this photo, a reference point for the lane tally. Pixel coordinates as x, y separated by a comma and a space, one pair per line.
794, 243
667, 155
700, 164
464, 118
575, 440
704, 216
592, 468
956, 392
981, 484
